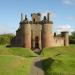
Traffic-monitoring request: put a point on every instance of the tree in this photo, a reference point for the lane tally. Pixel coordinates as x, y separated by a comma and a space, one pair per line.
6, 38
72, 38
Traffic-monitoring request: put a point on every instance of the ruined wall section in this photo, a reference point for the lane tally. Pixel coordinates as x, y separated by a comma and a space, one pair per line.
63, 40
19, 37
65, 35
58, 41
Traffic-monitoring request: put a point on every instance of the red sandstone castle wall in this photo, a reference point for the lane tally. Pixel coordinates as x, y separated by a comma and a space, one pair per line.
66, 38
47, 36
58, 41
27, 36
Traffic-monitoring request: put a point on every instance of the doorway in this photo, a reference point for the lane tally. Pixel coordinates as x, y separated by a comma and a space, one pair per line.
36, 42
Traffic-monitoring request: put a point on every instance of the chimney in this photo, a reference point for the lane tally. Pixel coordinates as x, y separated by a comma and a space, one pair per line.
48, 16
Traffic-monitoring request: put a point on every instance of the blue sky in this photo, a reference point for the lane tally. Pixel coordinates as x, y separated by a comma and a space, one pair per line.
63, 13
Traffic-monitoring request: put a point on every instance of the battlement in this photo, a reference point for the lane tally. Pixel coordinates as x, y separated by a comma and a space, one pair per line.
36, 18
38, 14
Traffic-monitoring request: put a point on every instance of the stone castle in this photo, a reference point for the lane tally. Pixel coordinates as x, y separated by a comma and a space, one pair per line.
38, 33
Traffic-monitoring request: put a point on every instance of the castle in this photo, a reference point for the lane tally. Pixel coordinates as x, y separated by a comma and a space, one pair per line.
38, 33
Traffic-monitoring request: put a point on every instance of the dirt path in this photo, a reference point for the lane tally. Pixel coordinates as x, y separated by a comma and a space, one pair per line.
37, 67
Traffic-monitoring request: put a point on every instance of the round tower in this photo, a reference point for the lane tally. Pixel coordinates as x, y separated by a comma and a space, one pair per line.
47, 36
27, 36
26, 30
66, 38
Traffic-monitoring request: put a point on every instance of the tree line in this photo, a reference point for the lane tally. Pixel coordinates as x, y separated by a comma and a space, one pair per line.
6, 39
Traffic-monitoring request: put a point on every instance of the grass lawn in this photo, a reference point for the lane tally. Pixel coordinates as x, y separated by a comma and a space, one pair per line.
15, 61
59, 60
14, 65
24, 52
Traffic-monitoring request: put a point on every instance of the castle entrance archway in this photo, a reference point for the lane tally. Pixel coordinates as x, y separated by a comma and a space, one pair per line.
36, 42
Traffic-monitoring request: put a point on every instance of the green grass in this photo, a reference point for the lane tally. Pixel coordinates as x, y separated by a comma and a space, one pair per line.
14, 65
15, 61
56, 60
24, 52
59, 60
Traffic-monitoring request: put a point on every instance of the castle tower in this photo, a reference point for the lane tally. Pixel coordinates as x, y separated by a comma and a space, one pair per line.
66, 38
36, 30
26, 29
47, 35
36, 17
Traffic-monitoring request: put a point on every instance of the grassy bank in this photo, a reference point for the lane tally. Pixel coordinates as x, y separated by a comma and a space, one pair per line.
14, 65
59, 60
18, 51
15, 61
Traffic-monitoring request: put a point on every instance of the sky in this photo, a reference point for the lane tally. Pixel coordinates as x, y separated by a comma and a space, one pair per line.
62, 13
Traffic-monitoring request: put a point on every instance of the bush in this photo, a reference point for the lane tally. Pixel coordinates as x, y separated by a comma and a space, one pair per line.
72, 38
72, 41
6, 38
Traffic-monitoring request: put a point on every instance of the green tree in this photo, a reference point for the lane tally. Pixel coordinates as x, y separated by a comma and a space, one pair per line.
72, 38
6, 38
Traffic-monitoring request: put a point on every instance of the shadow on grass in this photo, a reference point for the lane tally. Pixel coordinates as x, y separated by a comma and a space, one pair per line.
45, 65
38, 52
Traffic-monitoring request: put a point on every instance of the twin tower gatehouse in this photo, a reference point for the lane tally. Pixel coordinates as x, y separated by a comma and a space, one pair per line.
37, 33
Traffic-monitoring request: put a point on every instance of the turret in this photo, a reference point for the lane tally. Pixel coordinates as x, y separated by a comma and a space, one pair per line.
66, 38
47, 36
36, 17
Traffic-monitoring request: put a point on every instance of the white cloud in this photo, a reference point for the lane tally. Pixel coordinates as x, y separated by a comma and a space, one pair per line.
69, 2
65, 27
